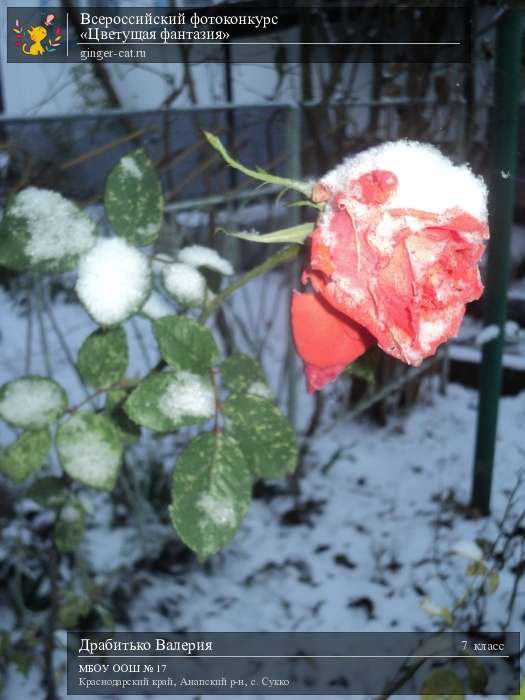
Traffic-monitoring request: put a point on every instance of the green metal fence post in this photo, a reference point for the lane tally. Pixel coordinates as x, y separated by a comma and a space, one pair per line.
503, 147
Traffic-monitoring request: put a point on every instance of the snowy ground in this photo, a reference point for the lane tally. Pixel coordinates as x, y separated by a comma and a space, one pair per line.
366, 541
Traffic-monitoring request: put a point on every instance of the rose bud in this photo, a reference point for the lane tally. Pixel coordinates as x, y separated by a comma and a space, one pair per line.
393, 258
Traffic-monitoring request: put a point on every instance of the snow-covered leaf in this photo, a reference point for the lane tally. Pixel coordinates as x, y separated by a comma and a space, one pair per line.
442, 684
90, 449
263, 433
200, 256
43, 231
185, 344
114, 281
211, 492
70, 525
169, 400
32, 402
185, 284
103, 357
239, 372
133, 199
26, 454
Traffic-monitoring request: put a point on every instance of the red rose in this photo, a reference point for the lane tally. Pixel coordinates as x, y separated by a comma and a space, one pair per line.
384, 272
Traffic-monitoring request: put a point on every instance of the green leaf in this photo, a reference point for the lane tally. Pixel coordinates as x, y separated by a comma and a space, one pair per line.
44, 232
103, 357
293, 234
129, 431
258, 174
26, 454
442, 683
477, 675
168, 400
133, 199
239, 372
264, 435
492, 582
365, 366
476, 568
48, 492
90, 449
73, 609
434, 610
70, 525
23, 660
32, 402
186, 344
211, 492
305, 203
213, 278
105, 616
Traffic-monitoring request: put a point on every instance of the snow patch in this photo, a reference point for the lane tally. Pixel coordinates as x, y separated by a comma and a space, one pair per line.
31, 402
113, 281
187, 396
488, 334
260, 389
219, 510
427, 179
201, 256
56, 226
88, 457
185, 283
430, 331
130, 167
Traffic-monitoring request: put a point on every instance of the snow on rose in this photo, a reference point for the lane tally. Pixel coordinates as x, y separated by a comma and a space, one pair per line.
393, 258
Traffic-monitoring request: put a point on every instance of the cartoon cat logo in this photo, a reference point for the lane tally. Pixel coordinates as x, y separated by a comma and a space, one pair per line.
38, 40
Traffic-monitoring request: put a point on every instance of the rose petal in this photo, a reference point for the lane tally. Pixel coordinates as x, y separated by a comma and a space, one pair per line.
374, 187
326, 341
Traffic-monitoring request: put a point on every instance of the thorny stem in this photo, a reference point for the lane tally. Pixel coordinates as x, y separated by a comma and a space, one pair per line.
281, 256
